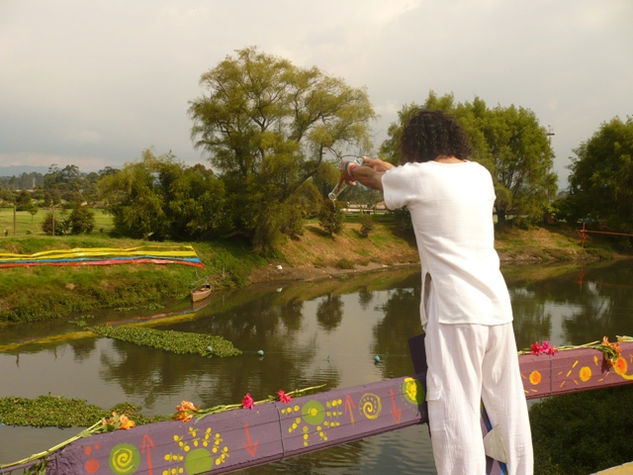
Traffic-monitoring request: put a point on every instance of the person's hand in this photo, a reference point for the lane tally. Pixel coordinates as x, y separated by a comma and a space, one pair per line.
377, 164
347, 173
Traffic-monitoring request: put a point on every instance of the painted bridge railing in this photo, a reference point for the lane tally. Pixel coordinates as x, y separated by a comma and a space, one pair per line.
246, 437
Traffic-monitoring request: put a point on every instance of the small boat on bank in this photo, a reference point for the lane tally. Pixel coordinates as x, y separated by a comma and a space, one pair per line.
201, 293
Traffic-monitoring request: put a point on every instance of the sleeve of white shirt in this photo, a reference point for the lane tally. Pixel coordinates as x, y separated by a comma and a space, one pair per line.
396, 187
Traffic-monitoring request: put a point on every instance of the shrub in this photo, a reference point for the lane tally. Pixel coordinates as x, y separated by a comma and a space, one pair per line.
344, 264
81, 220
366, 225
331, 218
55, 223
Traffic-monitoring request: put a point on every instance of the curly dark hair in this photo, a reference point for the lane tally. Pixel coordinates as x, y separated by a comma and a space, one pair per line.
430, 133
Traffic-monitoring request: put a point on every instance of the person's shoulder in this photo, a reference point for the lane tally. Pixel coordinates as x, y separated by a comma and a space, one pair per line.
478, 167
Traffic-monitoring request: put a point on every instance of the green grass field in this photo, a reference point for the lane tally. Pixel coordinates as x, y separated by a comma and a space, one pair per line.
23, 223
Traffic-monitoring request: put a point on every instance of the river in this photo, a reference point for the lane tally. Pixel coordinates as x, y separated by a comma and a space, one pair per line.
328, 332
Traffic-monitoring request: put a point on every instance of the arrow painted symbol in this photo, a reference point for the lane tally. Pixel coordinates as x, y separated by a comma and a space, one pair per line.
397, 413
350, 406
148, 444
249, 446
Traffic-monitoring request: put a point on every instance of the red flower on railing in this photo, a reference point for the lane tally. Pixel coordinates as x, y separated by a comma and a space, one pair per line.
544, 348
247, 402
283, 397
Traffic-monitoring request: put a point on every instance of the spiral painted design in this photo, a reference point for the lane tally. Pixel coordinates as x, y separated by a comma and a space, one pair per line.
124, 459
370, 405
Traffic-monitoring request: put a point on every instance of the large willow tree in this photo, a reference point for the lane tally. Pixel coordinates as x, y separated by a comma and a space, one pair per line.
269, 126
509, 141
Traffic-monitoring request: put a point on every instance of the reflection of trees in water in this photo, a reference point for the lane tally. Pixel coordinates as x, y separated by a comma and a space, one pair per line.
330, 312
607, 304
364, 297
275, 329
531, 322
83, 348
603, 306
337, 459
392, 333
143, 371
594, 302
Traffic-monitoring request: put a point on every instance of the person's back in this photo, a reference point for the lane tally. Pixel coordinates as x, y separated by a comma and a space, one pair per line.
469, 342
451, 211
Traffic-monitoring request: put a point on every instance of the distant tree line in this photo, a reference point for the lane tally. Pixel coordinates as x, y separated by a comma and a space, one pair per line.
25, 181
275, 134
65, 189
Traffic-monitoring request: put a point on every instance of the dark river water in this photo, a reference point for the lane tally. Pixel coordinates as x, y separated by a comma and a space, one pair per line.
326, 332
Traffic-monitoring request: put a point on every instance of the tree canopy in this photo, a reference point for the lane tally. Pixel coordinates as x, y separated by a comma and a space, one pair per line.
162, 198
601, 179
507, 140
269, 127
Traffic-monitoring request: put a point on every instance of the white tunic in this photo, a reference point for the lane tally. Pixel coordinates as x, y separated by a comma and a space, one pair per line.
451, 211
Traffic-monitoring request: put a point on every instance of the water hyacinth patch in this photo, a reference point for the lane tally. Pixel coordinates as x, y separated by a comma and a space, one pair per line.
170, 340
58, 411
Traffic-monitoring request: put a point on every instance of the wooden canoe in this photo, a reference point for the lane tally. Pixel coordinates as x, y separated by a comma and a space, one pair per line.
201, 293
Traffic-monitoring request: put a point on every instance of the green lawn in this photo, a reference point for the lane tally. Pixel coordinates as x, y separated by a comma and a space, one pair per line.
23, 223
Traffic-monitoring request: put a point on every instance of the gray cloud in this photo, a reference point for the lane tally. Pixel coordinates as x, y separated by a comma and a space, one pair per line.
94, 83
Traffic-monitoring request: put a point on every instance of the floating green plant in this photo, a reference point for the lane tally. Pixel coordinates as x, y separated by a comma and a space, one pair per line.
171, 340
58, 411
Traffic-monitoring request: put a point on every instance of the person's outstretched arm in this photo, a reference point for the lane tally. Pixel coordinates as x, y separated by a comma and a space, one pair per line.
369, 173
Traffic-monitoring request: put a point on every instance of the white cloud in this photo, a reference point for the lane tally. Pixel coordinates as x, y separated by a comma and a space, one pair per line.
110, 78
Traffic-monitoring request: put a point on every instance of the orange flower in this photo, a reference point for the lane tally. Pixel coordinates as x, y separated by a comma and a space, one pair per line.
117, 421
184, 416
615, 346
125, 422
186, 406
185, 410
611, 351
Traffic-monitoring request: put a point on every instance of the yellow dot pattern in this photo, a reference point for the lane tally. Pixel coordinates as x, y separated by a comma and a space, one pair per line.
212, 442
333, 410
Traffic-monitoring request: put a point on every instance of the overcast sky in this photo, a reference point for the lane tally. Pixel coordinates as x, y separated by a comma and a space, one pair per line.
93, 83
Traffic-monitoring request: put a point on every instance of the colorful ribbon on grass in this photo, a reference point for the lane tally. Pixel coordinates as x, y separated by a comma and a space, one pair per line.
180, 254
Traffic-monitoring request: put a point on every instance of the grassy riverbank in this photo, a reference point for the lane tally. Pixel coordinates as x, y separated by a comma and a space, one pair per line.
41, 293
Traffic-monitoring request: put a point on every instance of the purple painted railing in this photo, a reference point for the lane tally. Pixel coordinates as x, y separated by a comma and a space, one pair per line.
246, 437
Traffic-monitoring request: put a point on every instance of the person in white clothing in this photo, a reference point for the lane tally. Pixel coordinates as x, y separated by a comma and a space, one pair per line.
465, 307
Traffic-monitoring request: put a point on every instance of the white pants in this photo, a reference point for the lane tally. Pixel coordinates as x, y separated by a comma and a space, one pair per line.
468, 364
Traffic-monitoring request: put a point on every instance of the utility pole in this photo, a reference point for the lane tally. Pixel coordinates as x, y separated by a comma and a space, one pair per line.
549, 133
53, 216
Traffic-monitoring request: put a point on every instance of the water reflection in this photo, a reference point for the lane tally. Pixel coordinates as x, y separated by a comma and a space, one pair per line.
571, 306
312, 333
330, 312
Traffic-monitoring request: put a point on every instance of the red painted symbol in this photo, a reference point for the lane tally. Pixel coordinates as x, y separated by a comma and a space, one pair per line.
249, 445
148, 444
92, 464
350, 406
395, 412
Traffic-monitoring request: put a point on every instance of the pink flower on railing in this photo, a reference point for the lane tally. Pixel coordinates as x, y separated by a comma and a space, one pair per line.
543, 348
247, 402
283, 397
